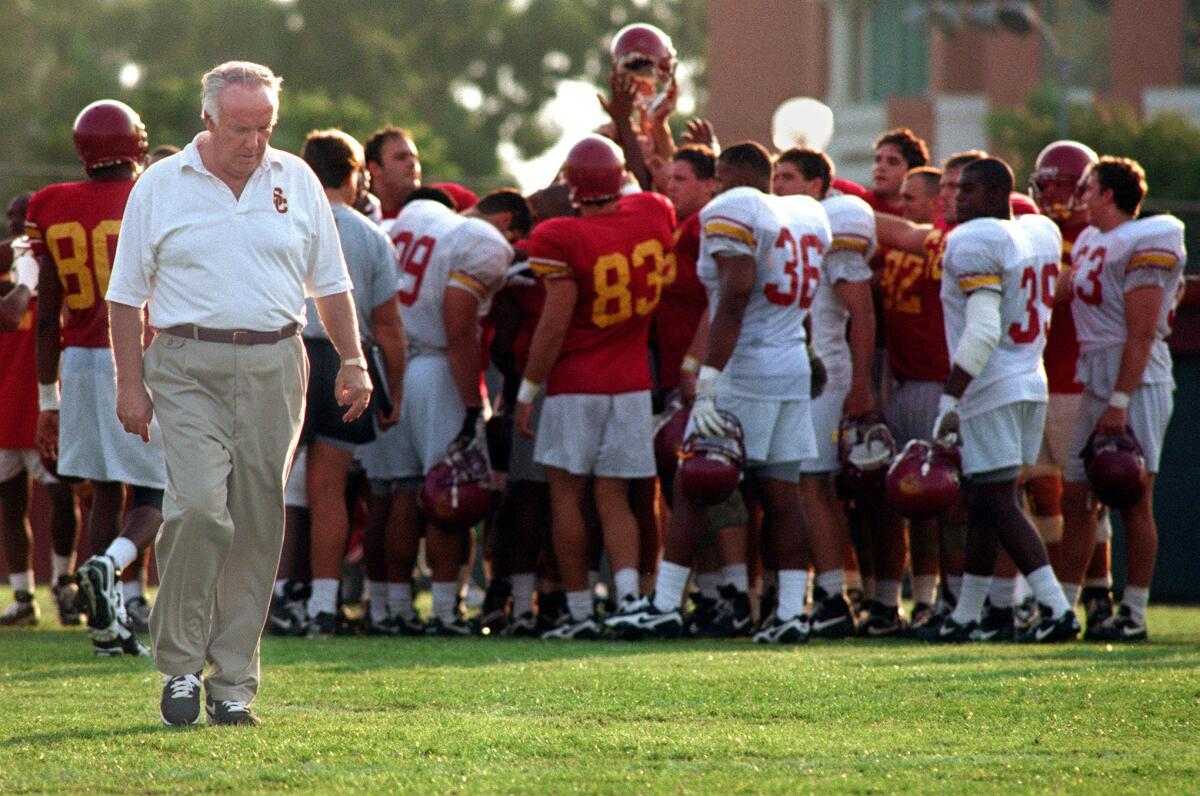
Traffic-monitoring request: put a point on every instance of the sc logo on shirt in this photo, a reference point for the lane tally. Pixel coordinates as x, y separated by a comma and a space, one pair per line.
281, 204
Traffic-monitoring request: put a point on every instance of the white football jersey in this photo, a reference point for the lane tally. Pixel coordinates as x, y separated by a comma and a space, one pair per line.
1137, 253
787, 236
852, 223
439, 249
1019, 259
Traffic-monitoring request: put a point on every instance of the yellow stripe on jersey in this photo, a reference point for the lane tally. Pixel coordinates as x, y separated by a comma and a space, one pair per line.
469, 282
852, 242
1153, 258
976, 281
548, 269
720, 229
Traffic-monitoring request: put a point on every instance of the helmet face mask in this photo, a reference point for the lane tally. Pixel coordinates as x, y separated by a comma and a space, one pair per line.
865, 449
645, 52
108, 133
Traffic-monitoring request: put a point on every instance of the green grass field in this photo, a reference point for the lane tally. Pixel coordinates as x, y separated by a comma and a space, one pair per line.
498, 715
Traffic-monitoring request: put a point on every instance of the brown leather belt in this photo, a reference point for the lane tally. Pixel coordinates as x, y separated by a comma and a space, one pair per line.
234, 336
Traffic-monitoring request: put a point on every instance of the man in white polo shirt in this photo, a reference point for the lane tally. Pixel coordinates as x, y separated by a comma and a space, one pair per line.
224, 241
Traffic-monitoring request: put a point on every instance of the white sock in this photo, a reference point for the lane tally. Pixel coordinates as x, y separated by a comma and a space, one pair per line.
1100, 583
668, 589
579, 603
280, 587
736, 575
324, 596
21, 581
61, 565
953, 585
1001, 592
853, 579
377, 593
833, 582
887, 592
399, 600
1047, 591
1071, 592
626, 581
445, 597
1021, 590
708, 583
970, 598
522, 593
130, 589
1137, 598
924, 588
122, 551
793, 589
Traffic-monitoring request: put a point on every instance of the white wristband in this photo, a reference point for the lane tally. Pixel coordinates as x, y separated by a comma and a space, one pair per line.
1119, 400
689, 365
946, 402
48, 397
528, 391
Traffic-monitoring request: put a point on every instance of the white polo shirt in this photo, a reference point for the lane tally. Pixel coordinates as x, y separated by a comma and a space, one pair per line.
199, 255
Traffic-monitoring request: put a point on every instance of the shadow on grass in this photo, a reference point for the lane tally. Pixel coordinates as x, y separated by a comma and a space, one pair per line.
75, 736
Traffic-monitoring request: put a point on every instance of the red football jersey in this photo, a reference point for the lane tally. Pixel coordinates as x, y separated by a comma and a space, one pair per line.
912, 311
619, 261
77, 224
18, 383
684, 301
1062, 346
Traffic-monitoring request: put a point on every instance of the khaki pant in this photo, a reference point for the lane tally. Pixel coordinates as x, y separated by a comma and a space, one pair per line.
230, 418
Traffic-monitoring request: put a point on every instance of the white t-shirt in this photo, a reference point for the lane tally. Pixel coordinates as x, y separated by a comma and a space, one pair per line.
200, 255
787, 237
1019, 259
439, 249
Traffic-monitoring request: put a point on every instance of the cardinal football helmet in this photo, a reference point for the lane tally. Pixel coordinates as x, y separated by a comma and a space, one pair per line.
1116, 468
865, 449
595, 170
710, 467
1055, 179
456, 493
668, 440
645, 52
109, 132
923, 480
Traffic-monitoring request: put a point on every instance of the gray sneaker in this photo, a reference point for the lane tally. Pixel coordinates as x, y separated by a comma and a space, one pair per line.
180, 704
229, 712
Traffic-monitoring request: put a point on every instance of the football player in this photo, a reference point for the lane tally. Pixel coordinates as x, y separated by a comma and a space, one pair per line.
997, 289
73, 228
604, 275
760, 259
19, 460
395, 168
450, 267
843, 297
1054, 185
1125, 274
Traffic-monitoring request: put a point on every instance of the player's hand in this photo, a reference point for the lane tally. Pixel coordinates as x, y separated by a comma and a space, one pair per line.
523, 417
47, 434
860, 401
946, 427
624, 93
1112, 422
819, 375
662, 109
705, 419
352, 387
134, 409
472, 428
700, 131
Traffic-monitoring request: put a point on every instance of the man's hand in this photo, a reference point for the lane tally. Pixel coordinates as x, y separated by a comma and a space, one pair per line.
470, 429
522, 418
705, 419
662, 109
624, 94
700, 131
134, 409
353, 389
1111, 423
47, 434
946, 426
860, 401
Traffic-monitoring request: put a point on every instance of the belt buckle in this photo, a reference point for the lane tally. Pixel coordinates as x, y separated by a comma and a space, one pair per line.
239, 336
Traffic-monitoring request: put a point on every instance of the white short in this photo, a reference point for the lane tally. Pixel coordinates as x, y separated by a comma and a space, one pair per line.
776, 432
826, 411
611, 436
521, 466
912, 410
1061, 412
1149, 412
91, 442
1007, 437
431, 415
14, 461
295, 490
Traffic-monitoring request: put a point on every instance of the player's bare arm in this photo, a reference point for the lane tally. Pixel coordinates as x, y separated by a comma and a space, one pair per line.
388, 330
1142, 308
689, 368
134, 407
856, 298
353, 385
900, 233
49, 330
561, 295
619, 107
460, 313
735, 275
